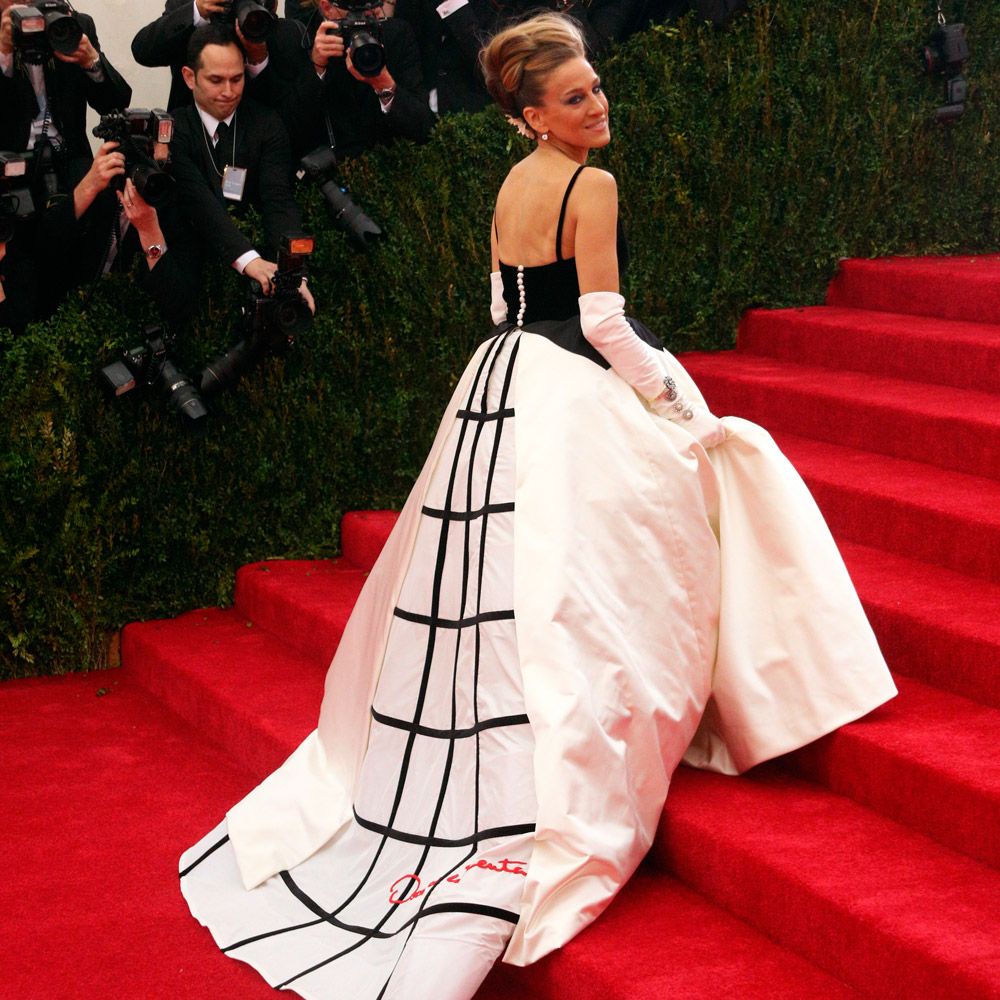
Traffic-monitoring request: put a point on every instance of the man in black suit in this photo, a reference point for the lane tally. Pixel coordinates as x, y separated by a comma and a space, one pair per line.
272, 65
228, 150
450, 34
51, 100
336, 105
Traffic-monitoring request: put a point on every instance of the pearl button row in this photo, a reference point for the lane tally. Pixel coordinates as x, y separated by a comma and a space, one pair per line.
520, 295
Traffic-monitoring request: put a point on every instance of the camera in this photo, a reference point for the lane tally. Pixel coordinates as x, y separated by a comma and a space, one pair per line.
148, 366
270, 322
362, 36
946, 54
256, 20
45, 27
319, 166
16, 203
137, 130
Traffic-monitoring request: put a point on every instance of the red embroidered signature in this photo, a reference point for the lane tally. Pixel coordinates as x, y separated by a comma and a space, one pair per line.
398, 891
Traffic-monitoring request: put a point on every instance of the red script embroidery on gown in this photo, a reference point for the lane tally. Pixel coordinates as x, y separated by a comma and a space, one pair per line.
398, 891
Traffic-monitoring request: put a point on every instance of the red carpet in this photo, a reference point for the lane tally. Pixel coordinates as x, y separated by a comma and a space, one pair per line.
865, 865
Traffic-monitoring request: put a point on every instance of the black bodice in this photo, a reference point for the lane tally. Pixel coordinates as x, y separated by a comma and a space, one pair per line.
549, 291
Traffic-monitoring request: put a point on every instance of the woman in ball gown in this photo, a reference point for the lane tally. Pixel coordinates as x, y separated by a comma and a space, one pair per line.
593, 578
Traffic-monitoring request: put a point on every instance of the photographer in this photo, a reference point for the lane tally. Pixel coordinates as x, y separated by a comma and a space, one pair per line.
338, 105
108, 227
451, 33
274, 62
51, 99
232, 151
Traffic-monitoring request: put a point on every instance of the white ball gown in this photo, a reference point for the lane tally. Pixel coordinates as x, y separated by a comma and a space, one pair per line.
576, 597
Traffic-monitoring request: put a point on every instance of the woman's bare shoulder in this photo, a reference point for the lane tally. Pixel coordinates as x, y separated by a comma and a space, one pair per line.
598, 184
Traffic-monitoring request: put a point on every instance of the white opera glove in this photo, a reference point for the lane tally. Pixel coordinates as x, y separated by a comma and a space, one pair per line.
498, 307
602, 317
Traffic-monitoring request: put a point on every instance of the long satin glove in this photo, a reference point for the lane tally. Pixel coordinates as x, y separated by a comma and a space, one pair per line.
602, 318
498, 308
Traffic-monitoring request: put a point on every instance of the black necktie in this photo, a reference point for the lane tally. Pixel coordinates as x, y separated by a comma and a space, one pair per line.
222, 149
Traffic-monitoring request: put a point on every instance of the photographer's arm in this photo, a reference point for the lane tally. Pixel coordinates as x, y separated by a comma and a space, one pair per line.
408, 114
163, 42
277, 201
105, 88
107, 164
466, 25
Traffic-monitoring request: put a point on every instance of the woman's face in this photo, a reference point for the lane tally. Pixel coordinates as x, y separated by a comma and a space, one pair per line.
574, 109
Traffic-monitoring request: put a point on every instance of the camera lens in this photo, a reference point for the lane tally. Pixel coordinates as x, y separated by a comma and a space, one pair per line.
63, 32
153, 184
182, 397
367, 53
255, 21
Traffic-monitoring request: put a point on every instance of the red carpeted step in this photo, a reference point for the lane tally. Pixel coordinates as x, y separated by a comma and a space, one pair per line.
871, 902
909, 508
127, 787
940, 352
956, 429
362, 535
962, 288
235, 682
938, 626
307, 604
927, 759
660, 940
101, 794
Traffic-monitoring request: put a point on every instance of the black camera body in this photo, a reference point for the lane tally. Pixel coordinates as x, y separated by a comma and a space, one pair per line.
256, 19
362, 35
149, 367
946, 55
16, 202
137, 131
271, 323
45, 27
320, 167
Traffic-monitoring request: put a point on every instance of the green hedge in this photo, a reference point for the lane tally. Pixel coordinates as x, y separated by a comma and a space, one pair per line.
749, 161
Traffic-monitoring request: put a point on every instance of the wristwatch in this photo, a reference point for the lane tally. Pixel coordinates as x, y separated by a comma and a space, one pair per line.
155, 251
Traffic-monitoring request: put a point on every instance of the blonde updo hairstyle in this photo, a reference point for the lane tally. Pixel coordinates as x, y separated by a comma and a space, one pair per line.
517, 61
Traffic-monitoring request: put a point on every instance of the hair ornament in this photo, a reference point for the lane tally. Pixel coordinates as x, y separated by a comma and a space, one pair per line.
521, 125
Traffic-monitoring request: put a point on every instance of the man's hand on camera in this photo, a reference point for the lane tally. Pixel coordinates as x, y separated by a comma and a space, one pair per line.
209, 7
328, 44
262, 271
381, 82
137, 210
108, 164
307, 296
256, 51
85, 56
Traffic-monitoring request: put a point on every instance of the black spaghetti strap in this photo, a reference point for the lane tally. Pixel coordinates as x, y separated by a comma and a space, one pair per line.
562, 212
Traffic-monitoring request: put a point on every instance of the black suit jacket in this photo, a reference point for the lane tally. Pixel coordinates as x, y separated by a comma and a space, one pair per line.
450, 46
69, 90
262, 147
352, 107
164, 43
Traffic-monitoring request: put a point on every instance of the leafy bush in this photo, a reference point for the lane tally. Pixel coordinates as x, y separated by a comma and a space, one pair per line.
749, 161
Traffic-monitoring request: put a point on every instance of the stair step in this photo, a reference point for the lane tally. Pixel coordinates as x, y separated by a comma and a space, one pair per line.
363, 534
933, 624
877, 905
910, 508
234, 681
927, 759
927, 350
307, 603
962, 288
957, 429
660, 939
